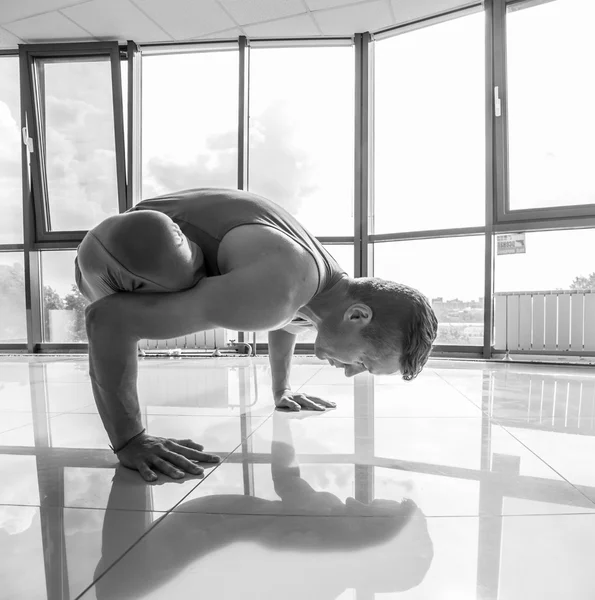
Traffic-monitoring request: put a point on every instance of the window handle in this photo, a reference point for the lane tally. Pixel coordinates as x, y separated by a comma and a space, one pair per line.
27, 140
497, 102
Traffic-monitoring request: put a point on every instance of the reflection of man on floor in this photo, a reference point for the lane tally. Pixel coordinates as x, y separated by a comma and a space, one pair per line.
209, 258
324, 548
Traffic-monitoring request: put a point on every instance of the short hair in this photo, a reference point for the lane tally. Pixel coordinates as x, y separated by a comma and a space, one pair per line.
403, 322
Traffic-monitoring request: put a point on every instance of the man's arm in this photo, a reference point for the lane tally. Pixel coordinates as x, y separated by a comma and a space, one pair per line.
281, 347
254, 298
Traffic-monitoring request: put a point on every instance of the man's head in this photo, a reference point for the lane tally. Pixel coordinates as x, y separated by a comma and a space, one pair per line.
381, 327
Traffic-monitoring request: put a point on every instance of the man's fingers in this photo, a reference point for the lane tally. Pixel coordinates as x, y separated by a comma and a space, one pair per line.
182, 462
306, 402
146, 473
191, 453
190, 444
289, 404
166, 468
309, 404
322, 402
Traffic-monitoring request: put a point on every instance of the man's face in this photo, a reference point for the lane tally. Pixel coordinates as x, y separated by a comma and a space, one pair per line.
343, 346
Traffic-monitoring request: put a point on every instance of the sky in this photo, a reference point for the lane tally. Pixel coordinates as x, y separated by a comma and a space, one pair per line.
429, 148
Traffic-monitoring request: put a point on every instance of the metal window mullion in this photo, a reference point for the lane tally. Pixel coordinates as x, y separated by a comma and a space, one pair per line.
362, 249
243, 112
118, 126
491, 191
243, 122
500, 145
134, 108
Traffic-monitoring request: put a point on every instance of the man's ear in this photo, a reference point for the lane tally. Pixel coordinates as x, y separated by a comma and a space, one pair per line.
358, 314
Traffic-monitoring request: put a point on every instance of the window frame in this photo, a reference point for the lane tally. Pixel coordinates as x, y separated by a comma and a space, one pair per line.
503, 214
32, 94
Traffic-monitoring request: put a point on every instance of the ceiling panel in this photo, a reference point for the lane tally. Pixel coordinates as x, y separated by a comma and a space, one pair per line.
166, 20
49, 27
300, 25
255, 11
228, 34
184, 19
13, 10
357, 18
8, 40
322, 4
410, 10
116, 19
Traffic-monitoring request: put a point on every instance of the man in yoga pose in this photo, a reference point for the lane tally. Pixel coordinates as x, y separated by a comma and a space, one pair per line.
207, 258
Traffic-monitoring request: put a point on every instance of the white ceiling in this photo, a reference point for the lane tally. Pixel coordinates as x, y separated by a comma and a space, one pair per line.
28, 21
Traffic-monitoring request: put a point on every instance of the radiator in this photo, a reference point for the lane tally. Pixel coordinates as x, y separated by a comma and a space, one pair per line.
213, 340
559, 320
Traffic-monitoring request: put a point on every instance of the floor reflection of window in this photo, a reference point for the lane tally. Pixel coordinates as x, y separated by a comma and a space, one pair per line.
21, 545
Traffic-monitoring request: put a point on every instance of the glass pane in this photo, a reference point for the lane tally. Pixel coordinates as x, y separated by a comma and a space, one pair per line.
13, 323
554, 260
11, 195
302, 133
80, 145
430, 127
551, 93
63, 304
190, 121
431, 266
344, 255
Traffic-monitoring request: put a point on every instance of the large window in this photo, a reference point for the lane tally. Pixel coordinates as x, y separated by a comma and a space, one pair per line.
302, 133
551, 94
450, 272
190, 121
11, 198
430, 128
63, 304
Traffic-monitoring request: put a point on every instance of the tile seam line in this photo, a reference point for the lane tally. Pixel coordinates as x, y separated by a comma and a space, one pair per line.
544, 461
461, 393
319, 516
164, 516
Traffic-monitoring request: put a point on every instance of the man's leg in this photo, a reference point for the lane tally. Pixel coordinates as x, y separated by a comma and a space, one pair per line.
136, 252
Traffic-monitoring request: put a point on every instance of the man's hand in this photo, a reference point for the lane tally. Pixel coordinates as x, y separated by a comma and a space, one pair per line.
149, 454
288, 400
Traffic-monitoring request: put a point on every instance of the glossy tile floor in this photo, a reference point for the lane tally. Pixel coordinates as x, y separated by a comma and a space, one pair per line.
475, 481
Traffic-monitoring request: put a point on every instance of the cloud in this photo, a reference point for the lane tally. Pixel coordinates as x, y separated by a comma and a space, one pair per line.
11, 225
279, 170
